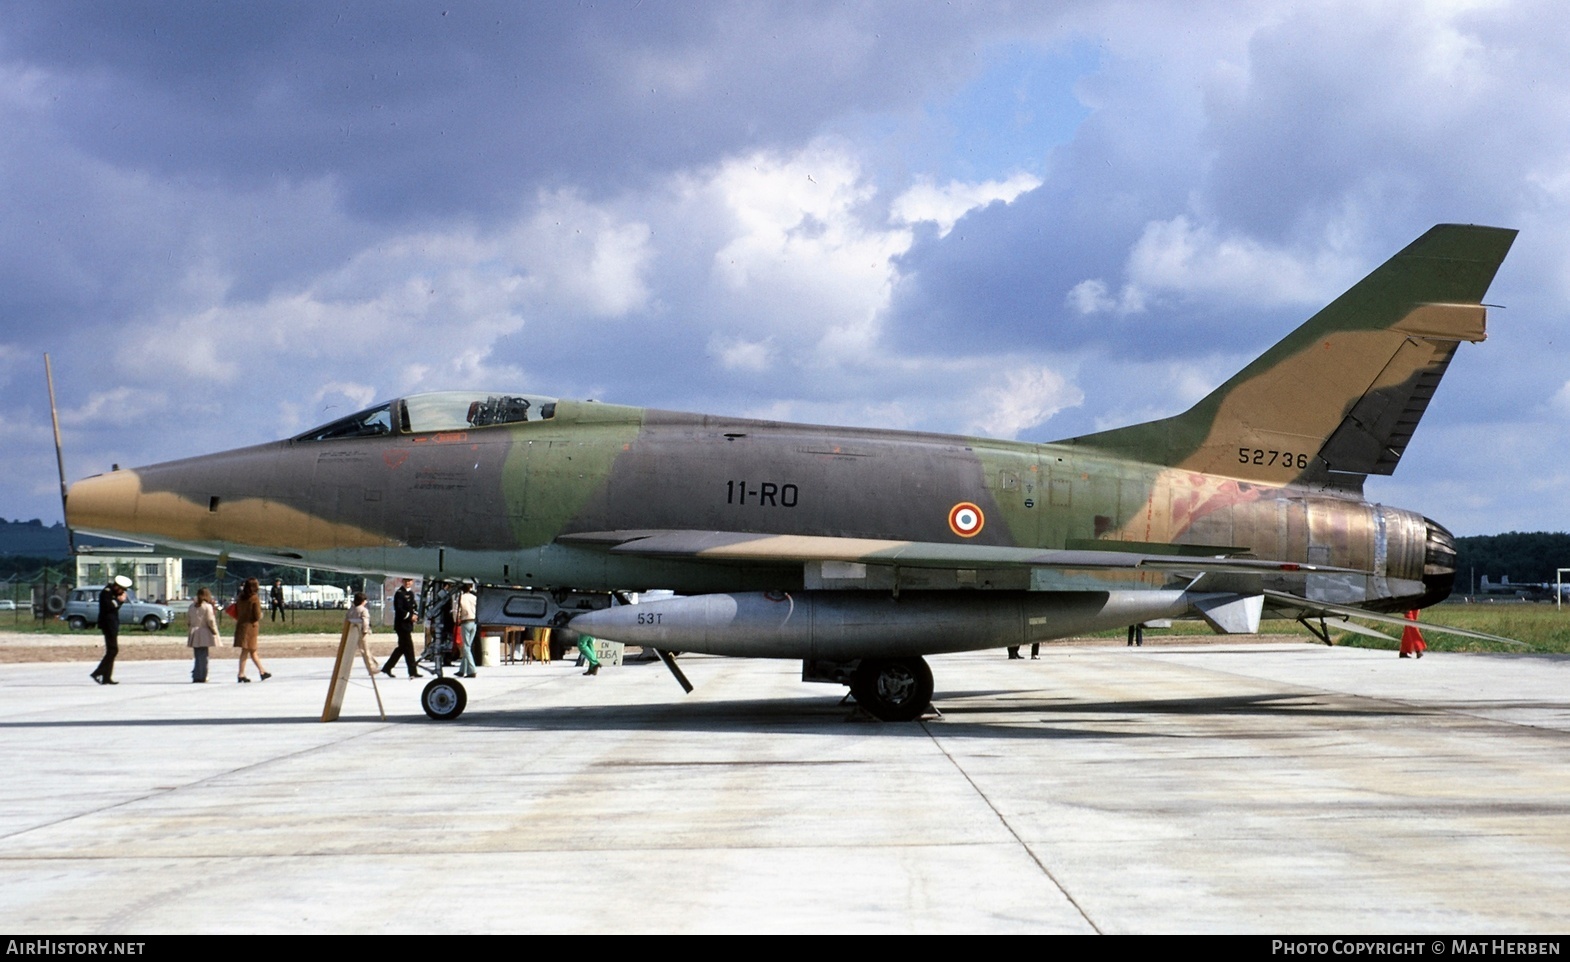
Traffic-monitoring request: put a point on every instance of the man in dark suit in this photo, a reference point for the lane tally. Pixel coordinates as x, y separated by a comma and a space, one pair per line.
405, 613
109, 601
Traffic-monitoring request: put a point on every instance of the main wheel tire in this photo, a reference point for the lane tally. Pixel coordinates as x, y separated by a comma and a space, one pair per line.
893, 689
444, 699
151, 623
77, 622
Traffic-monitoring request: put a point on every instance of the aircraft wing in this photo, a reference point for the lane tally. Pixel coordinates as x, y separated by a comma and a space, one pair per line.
743, 547
1324, 609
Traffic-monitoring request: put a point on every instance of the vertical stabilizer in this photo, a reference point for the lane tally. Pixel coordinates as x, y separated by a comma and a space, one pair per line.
1338, 398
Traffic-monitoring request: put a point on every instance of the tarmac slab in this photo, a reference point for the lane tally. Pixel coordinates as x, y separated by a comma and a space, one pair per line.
1268, 789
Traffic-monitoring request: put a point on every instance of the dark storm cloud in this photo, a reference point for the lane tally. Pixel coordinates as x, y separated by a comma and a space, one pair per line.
434, 108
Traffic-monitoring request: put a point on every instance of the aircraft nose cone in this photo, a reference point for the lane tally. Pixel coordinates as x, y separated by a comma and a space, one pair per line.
104, 504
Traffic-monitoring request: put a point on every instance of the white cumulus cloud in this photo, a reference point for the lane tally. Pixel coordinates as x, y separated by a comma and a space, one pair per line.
945, 205
1561, 400
740, 355
802, 242
582, 258
1024, 399
1092, 297
1179, 257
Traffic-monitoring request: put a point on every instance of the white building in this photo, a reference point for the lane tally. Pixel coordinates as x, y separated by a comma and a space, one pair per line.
152, 577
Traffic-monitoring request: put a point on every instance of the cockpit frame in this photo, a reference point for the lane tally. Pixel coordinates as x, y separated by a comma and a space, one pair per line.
436, 411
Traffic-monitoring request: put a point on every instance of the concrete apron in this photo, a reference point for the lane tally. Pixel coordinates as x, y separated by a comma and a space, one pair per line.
1279, 788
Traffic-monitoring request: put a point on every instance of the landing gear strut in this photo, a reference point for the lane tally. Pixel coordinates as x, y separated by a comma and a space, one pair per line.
893, 689
1322, 632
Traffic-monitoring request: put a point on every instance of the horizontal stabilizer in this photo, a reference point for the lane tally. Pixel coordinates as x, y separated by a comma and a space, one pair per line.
1322, 609
1347, 625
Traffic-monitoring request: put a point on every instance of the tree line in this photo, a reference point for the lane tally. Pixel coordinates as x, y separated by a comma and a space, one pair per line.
1521, 556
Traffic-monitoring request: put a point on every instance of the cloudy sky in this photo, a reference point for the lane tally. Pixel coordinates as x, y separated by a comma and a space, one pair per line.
229, 222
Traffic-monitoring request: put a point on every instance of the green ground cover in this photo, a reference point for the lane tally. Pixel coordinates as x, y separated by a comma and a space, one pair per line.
1539, 627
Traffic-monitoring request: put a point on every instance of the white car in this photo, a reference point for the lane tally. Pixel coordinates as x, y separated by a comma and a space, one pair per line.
81, 610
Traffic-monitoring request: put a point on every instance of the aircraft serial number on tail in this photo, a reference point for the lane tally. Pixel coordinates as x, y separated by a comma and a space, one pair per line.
1267, 458
766, 494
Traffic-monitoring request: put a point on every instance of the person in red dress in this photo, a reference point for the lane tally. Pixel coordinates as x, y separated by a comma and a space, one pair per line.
1411, 638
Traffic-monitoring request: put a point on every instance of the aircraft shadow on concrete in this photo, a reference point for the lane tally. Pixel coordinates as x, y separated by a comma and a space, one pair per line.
1002, 715
1292, 704
979, 713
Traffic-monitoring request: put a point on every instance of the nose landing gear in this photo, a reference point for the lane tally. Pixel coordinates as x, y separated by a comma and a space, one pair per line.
444, 699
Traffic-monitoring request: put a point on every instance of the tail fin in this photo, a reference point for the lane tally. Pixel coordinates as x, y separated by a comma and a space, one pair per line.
1338, 398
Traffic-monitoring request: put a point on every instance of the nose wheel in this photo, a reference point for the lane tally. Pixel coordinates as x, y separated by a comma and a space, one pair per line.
444, 699
893, 689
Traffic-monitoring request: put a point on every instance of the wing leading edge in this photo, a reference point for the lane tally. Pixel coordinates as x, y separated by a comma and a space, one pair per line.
736, 547
743, 547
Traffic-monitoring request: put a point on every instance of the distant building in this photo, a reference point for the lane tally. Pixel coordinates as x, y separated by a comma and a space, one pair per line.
313, 596
1525, 591
153, 577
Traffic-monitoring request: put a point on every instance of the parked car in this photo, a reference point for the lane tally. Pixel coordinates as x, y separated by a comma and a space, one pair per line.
6, 604
81, 610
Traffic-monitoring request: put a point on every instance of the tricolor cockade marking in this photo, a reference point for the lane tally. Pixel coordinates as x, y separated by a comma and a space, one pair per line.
966, 520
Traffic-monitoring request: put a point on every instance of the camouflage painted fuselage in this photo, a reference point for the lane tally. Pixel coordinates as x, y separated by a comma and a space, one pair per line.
500, 503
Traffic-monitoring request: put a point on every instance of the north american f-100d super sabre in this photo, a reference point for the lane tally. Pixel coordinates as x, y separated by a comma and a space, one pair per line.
859, 551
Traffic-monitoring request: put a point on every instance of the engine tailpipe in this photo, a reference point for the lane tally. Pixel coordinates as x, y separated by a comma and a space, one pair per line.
1439, 565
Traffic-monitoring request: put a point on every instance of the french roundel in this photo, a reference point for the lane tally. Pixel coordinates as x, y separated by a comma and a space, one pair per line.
966, 520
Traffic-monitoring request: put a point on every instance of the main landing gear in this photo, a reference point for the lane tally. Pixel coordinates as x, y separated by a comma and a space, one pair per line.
444, 699
893, 689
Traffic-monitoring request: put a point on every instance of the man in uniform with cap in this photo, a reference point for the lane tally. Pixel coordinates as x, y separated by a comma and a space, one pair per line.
406, 610
109, 602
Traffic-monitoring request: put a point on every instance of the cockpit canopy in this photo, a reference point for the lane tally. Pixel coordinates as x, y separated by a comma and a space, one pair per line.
437, 411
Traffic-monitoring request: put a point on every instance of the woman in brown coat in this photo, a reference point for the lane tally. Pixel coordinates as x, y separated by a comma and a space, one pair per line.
247, 626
